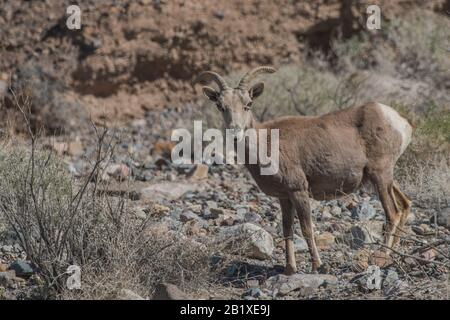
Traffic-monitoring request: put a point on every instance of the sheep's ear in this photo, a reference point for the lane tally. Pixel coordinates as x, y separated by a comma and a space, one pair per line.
256, 90
212, 94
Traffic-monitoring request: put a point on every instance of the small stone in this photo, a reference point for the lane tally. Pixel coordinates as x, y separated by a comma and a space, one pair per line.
363, 211
418, 230
253, 283
118, 171
443, 218
336, 211
7, 248
427, 230
197, 208
300, 244
324, 240
188, 216
253, 292
211, 204
167, 190
218, 211
361, 260
356, 237
390, 278
428, 255
360, 235
252, 217
126, 294
326, 214
167, 291
3, 267
159, 209
22, 268
199, 172
381, 259
7, 279
140, 214
17, 248
283, 284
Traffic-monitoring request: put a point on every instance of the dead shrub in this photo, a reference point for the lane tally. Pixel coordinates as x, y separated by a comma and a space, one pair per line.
60, 221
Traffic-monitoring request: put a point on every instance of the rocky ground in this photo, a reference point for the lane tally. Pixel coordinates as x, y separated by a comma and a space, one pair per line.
222, 203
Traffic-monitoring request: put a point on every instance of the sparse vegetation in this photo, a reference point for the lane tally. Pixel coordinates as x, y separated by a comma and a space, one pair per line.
61, 222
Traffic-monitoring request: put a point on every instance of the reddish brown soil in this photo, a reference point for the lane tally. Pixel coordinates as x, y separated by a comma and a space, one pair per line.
138, 55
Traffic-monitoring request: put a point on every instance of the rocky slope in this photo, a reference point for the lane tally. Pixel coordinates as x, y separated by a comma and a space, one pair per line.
222, 204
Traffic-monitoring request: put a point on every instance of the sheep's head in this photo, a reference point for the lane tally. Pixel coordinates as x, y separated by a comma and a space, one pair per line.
235, 103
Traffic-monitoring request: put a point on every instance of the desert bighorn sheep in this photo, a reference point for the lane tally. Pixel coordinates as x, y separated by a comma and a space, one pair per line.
322, 157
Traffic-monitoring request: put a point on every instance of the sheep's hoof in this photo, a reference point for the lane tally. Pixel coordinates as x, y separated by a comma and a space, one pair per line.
317, 267
289, 270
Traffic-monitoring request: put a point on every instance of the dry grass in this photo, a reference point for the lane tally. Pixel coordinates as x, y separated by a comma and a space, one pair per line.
61, 222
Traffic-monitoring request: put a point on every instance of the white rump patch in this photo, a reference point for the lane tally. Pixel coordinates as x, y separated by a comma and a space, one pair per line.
398, 123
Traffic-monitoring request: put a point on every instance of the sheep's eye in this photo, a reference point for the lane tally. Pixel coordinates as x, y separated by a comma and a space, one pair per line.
248, 106
219, 107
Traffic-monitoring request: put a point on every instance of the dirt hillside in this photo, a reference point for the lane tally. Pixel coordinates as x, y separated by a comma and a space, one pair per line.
132, 56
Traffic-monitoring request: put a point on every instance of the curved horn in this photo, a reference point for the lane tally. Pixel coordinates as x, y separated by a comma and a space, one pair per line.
212, 76
245, 81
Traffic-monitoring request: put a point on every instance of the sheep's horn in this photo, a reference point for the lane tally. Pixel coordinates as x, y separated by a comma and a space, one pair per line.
245, 81
212, 76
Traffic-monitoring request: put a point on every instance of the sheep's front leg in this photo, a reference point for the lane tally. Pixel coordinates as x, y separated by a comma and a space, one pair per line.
300, 200
287, 211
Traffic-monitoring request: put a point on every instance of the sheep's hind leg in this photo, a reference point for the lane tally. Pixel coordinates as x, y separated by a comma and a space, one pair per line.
404, 206
391, 209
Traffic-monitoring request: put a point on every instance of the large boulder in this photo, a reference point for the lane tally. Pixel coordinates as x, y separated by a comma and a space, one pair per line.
258, 243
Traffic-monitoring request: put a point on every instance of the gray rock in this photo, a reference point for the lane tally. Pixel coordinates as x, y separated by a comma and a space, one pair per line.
254, 293
172, 224
18, 248
168, 190
368, 232
175, 213
140, 214
336, 211
300, 244
252, 217
211, 204
186, 216
443, 218
7, 279
363, 211
167, 291
7, 248
282, 284
356, 237
22, 268
257, 241
220, 211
